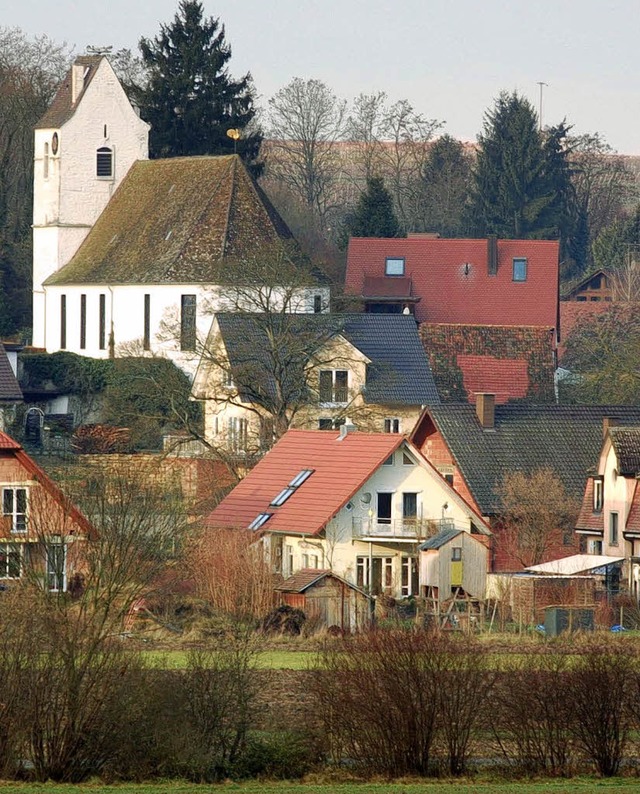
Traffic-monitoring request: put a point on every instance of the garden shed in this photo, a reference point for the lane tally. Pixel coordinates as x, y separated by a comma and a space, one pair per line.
453, 561
327, 599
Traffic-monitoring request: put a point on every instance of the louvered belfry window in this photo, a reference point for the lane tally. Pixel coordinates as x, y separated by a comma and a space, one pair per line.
104, 162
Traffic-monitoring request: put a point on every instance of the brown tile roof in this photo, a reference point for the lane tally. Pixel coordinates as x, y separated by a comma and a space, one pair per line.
633, 518
506, 378
588, 518
62, 108
175, 221
302, 580
626, 445
381, 287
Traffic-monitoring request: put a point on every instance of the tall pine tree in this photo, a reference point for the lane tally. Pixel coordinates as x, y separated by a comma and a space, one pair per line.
190, 99
520, 175
374, 215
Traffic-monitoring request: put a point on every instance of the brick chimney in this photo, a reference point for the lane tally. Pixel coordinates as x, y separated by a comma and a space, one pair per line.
492, 254
485, 410
607, 422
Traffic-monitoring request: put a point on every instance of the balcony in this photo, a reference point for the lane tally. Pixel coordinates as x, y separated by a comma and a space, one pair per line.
399, 529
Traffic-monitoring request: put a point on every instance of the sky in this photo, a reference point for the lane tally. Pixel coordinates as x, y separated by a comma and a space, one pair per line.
449, 58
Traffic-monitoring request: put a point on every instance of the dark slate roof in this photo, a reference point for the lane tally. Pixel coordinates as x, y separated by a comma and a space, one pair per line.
62, 108
626, 444
182, 220
564, 438
399, 372
10, 391
439, 540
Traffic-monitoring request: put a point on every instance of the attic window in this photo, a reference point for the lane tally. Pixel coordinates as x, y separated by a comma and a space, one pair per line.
300, 478
282, 497
519, 269
598, 494
394, 266
104, 163
407, 460
260, 520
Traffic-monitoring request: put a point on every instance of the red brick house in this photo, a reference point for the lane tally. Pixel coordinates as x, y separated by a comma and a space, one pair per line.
41, 532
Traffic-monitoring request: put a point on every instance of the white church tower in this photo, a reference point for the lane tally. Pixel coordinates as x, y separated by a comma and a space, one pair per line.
84, 145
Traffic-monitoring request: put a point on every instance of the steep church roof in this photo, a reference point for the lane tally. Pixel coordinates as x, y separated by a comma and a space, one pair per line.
63, 106
173, 222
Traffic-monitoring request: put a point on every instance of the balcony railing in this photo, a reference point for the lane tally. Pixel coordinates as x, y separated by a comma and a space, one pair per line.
402, 528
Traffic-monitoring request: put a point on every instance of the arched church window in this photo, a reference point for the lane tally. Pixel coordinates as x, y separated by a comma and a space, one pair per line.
104, 162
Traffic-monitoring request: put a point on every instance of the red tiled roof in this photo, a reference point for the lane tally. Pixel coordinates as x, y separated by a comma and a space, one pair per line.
633, 519
6, 442
381, 287
506, 378
587, 519
572, 312
451, 278
340, 468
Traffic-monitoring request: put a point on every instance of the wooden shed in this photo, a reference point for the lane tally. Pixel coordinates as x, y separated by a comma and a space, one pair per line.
453, 561
328, 598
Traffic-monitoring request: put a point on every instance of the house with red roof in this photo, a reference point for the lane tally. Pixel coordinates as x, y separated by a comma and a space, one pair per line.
357, 504
41, 532
487, 308
609, 520
467, 281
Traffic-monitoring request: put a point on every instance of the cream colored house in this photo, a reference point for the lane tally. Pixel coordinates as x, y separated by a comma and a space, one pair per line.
609, 520
261, 374
358, 504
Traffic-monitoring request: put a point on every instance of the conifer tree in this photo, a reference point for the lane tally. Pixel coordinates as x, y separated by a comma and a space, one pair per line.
190, 99
374, 215
519, 178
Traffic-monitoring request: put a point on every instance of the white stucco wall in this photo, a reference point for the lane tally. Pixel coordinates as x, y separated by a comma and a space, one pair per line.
618, 494
69, 197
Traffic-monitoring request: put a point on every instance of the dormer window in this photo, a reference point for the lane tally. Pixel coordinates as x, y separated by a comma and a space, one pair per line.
598, 494
519, 269
394, 266
334, 386
104, 163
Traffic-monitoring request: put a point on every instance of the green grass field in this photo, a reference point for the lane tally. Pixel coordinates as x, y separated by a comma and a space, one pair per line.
577, 786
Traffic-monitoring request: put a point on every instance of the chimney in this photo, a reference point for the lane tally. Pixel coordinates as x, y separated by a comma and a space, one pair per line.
485, 410
492, 254
345, 429
78, 74
607, 422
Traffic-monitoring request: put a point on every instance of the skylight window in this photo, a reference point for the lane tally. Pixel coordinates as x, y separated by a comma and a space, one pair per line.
260, 520
282, 497
300, 478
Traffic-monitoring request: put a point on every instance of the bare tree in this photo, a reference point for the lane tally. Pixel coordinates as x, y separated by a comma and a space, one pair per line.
305, 120
537, 515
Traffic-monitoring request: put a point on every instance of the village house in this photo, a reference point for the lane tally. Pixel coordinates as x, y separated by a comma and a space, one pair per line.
475, 446
310, 371
609, 520
130, 254
42, 532
357, 504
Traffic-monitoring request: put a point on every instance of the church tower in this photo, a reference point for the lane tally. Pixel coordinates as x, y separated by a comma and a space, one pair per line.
84, 145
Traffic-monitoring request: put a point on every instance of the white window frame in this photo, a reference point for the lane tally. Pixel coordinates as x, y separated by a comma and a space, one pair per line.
8, 549
56, 577
392, 424
19, 518
237, 433
408, 564
522, 274
614, 522
598, 494
334, 394
102, 152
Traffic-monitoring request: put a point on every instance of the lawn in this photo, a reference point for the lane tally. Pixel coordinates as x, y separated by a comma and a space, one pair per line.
577, 786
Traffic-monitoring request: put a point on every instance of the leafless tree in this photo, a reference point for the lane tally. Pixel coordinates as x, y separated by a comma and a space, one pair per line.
537, 515
305, 120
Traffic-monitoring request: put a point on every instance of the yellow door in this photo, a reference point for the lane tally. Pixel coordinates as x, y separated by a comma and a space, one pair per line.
456, 566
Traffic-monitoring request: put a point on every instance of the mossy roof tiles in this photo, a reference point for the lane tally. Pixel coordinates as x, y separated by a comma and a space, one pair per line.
62, 107
176, 221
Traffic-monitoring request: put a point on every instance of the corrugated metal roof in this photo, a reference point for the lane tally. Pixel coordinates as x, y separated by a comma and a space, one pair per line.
576, 563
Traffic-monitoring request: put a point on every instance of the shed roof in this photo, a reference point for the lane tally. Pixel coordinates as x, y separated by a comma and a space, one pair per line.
439, 540
177, 221
304, 579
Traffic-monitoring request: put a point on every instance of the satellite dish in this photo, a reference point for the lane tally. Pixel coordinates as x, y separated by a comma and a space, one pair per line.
365, 498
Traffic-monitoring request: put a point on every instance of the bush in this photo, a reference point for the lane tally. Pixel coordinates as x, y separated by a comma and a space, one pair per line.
278, 756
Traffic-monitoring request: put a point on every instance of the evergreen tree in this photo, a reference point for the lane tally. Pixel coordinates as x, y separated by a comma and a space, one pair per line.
374, 215
518, 179
446, 182
190, 99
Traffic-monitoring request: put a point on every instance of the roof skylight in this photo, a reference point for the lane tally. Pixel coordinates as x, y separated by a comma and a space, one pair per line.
260, 520
300, 478
282, 497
